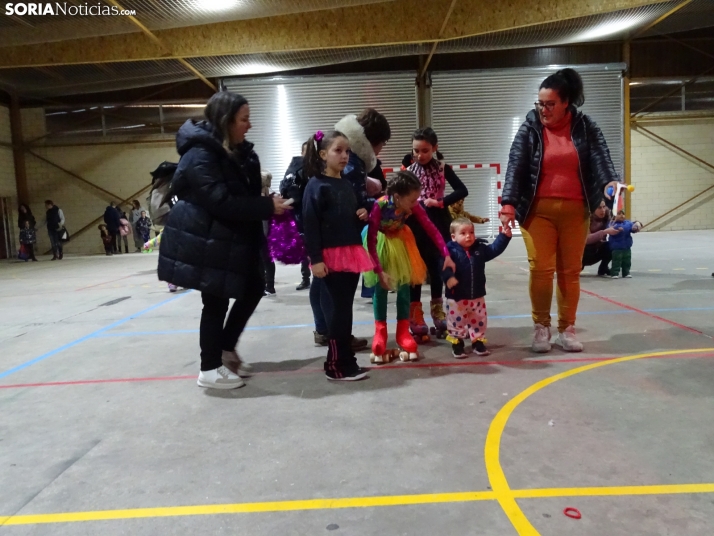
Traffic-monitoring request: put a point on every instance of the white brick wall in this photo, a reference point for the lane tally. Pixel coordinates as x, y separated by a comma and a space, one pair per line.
664, 178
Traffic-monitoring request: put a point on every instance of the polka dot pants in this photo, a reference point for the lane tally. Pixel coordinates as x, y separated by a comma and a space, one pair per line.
466, 319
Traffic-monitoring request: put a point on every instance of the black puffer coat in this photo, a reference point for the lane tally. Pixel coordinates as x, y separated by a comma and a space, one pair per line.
213, 235
524, 162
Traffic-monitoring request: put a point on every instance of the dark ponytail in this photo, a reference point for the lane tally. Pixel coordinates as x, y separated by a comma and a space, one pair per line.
568, 84
403, 183
313, 165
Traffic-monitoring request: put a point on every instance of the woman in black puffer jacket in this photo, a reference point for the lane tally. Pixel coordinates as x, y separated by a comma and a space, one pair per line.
559, 169
214, 233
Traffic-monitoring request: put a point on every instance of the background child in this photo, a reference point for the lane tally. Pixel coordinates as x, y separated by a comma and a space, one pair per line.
621, 245
457, 211
333, 222
396, 258
28, 238
107, 239
143, 226
433, 175
466, 286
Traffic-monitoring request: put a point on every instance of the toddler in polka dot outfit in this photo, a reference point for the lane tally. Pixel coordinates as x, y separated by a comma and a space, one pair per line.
466, 286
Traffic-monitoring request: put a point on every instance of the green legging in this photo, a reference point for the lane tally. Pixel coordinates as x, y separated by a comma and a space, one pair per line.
380, 303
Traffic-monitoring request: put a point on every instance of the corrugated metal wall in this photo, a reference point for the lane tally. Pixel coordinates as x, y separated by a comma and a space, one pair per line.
476, 115
288, 110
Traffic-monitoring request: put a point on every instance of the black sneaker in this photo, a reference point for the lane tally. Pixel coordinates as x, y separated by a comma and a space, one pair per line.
320, 339
457, 350
479, 348
305, 285
353, 376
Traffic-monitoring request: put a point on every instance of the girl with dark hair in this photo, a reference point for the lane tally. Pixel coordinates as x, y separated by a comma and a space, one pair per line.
333, 220
433, 175
214, 232
397, 261
559, 169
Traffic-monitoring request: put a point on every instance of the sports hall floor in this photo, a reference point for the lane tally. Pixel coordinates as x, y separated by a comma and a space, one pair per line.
104, 431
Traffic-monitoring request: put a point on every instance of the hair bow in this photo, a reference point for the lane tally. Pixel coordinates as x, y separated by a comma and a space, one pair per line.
319, 135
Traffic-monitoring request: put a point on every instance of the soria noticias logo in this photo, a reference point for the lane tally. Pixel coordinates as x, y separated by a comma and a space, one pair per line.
63, 8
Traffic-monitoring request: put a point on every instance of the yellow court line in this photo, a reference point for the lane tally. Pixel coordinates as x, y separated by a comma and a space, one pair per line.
244, 508
612, 491
499, 483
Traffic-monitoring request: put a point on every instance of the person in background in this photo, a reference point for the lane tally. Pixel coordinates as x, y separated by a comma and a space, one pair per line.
55, 223
124, 230
267, 262
596, 247
293, 187
559, 169
433, 174
111, 219
134, 217
28, 238
25, 214
107, 239
457, 211
143, 226
620, 245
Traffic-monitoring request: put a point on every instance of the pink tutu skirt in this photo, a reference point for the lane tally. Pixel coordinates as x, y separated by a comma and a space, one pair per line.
353, 259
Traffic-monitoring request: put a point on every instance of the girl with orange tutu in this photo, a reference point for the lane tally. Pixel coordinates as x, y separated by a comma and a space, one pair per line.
398, 264
332, 219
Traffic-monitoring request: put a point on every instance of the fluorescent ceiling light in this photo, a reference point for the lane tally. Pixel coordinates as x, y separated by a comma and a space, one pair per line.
217, 6
255, 68
610, 28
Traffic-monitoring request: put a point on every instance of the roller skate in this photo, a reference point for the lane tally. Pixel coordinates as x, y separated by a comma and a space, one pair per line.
417, 326
438, 316
380, 355
406, 342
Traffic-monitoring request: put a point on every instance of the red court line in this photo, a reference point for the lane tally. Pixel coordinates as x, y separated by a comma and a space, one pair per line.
636, 310
376, 368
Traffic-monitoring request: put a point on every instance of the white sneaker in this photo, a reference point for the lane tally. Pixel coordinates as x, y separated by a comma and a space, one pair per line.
568, 341
541, 339
220, 378
615, 277
628, 276
236, 365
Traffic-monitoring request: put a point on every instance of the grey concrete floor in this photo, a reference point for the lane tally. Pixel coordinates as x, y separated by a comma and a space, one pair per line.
149, 437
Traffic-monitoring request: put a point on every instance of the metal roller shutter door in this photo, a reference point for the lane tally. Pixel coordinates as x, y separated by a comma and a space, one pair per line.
286, 111
476, 115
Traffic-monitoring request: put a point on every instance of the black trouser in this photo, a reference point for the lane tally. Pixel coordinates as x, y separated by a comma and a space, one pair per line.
108, 249
30, 248
268, 267
217, 332
341, 287
305, 269
116, 244
434, 264
595, 253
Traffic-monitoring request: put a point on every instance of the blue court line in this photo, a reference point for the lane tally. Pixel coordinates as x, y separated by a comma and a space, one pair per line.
92, 335
369, 323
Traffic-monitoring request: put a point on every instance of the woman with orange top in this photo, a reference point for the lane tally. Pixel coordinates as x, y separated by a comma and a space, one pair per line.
559, 169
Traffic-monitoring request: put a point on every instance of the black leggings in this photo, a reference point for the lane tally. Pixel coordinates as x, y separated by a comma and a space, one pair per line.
217, 332
268, 267
434, 264
341, 287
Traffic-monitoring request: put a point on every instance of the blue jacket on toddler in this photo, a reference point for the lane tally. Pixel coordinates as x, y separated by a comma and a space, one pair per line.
623, 239
471, 267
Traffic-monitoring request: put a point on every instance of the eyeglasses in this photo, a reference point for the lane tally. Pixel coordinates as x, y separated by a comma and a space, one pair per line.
547, 105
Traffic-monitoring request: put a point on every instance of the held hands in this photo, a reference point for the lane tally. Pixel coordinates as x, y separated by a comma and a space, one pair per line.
451, 283
319, 270
507, 231
449, 263
508, 216
612, 231
612, 185
362, 214
384, 281
280, 205
433, 203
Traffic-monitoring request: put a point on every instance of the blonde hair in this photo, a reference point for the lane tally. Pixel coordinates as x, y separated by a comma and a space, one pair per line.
458, 222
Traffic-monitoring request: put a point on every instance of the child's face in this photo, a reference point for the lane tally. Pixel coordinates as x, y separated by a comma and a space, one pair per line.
464, 236
459, 205
406, 202
620, 218
143, 214
27, 224
337, 154
423, 151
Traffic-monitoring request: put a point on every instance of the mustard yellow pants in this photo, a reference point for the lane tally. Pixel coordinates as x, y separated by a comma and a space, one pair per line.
555, 234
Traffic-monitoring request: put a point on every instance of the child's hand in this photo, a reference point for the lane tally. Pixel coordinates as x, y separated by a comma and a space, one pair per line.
507, 231
451, 283
612, 231
320, 270
362, 214
384, 281
433, 203
485, 220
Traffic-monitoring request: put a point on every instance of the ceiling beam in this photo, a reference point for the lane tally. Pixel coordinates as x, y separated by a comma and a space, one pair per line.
386, 23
